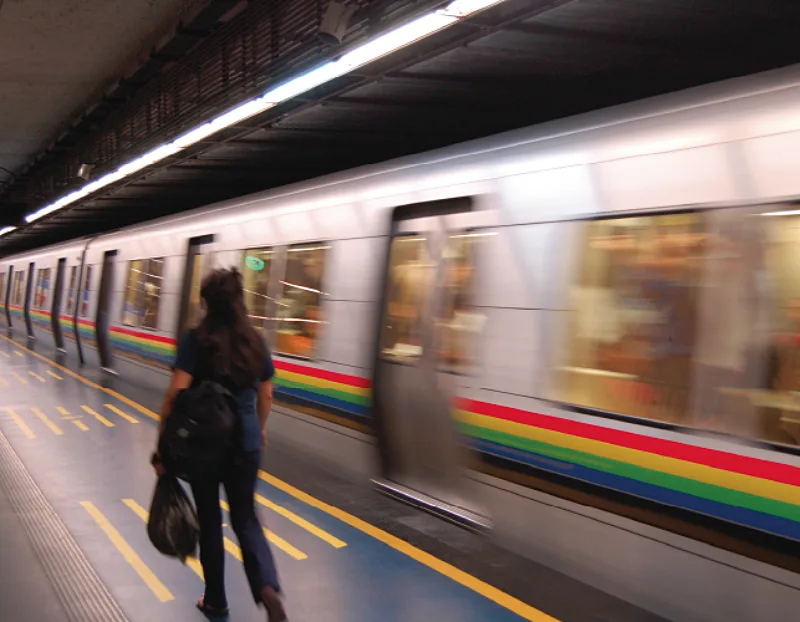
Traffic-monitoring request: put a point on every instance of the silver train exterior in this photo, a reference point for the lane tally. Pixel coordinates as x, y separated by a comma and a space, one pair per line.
505, 226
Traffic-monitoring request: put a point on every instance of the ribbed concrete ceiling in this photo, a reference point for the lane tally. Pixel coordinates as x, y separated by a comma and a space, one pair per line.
58, 56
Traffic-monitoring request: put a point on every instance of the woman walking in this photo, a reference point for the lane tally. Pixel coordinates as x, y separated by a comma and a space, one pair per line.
227, 349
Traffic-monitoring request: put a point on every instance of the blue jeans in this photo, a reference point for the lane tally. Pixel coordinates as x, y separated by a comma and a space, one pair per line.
239, 479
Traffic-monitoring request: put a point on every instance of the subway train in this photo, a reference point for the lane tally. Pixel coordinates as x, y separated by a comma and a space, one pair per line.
582, 337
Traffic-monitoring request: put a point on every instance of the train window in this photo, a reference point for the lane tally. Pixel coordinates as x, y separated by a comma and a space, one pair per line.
410, 271
194, 310
85, 292
142, 292
769, 332
2, 289
73, 282
18, 289
631, 338
42, 291
300, 303
458, 322
256, 265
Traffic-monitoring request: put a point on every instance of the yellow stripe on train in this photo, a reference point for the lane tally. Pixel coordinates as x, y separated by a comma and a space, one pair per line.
673, 466
323, 384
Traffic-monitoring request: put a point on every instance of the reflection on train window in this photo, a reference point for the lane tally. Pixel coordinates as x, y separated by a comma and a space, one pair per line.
631, 337
73, 282
18, 289
85, 292
256, 265
2, 289
410, 274
140, 307
458, 321
776, 280
42, 291
300, 303
195, 309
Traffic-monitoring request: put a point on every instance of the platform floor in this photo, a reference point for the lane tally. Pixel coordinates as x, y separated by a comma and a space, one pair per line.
344, 552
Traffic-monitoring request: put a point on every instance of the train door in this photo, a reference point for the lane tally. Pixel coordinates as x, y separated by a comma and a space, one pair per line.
55, 310
416, 374
5, 291
26, 309
103, 310
196, 259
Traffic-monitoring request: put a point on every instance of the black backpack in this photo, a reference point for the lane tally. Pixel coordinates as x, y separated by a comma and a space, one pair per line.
201, 432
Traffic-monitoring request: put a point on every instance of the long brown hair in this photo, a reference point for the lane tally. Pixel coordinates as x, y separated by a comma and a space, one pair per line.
231, 350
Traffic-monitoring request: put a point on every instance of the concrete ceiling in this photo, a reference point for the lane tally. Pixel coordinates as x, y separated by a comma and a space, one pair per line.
58, 56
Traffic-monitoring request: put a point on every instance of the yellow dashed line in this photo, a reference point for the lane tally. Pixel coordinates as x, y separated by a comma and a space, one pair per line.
81, 425
282, 544
62, 410
6, 354
506, 601
145, 515
98, 416
459, 576
320, 533
54, 375
18, 377
3, 381
234, 550
124, 415
18, 353
37, 376
147, 575
22, 425
47, 422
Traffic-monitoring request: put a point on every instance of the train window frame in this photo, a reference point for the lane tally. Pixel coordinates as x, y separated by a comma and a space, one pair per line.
147, 272
85, 293
409, 361
18, 293
268, 323
284, 257
472, 367
40, 273
71, 290
758, 207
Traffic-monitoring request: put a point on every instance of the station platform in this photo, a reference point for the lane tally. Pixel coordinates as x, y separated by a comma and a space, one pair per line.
76, 484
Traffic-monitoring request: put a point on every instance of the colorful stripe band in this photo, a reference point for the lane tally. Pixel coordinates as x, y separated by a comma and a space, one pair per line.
85, 327
751, 491
41, 318
350, 394
145, 345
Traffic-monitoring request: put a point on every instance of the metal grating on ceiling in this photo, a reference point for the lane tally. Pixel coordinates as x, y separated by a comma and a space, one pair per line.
519, 63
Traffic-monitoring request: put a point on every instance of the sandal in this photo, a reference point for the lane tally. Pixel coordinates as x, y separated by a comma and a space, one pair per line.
217, 612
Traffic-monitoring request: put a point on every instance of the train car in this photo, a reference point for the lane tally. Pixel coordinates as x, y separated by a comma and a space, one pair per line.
582, 336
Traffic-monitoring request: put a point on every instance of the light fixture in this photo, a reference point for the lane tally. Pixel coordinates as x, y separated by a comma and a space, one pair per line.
363, 54
788, 212
85, 171
334, 23
5, 230
465, 8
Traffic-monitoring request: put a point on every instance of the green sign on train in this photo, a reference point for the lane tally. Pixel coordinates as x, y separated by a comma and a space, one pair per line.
254, 263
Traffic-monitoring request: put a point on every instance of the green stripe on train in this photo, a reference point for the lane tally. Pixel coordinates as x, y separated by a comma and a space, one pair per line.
631, 471
340, 395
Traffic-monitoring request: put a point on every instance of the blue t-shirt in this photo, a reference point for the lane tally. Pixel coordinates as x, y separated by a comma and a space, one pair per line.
187, 359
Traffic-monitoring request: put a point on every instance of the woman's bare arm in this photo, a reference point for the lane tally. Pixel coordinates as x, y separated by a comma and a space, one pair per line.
264, 402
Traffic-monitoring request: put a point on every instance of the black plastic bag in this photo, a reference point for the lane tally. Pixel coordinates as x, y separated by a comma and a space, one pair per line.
173, 527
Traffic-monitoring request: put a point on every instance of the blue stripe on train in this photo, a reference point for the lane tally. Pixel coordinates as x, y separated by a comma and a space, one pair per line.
126, 346
323, 400
741, 516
